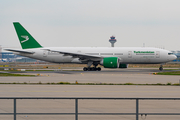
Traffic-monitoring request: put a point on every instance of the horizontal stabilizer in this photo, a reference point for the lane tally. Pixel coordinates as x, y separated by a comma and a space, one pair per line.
20, 51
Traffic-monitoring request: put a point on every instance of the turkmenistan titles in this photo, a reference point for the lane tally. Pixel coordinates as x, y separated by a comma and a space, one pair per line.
144, 52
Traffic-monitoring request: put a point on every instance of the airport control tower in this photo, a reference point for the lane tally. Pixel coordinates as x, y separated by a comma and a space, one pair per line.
112, 41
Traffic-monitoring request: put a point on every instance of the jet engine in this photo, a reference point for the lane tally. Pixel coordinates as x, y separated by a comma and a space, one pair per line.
110, 62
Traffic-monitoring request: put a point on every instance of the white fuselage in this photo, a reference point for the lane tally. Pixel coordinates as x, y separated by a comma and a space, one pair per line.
127, 55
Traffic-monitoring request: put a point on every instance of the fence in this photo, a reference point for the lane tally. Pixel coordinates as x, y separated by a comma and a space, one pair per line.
81, 98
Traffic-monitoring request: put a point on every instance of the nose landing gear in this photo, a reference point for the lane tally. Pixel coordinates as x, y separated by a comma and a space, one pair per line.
161, 68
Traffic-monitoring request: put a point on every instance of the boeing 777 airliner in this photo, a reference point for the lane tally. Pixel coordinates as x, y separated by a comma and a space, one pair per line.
109, 57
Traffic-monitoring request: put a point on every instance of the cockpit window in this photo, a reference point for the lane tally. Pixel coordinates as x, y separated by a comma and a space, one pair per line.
170, 53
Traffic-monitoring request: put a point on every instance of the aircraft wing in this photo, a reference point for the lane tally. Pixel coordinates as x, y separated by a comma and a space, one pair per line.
81, 56
20, 51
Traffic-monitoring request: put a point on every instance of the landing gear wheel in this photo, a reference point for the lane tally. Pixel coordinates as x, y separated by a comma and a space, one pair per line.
85, 68
161, 68
91, 69
99, 69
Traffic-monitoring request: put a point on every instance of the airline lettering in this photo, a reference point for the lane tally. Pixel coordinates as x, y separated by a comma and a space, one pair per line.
144, 52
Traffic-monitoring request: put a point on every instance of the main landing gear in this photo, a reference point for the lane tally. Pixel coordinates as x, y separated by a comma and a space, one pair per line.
161, 68
89, 68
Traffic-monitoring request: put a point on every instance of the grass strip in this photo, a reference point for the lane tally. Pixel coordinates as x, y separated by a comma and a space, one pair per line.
67, 83
170, 69
168, 73
40, 70
25, 70
10, 74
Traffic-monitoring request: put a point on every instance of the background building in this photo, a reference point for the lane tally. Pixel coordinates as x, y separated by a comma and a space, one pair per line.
11, 57
177, 53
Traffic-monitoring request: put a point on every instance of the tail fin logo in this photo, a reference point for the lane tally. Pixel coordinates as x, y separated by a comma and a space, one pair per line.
25, 37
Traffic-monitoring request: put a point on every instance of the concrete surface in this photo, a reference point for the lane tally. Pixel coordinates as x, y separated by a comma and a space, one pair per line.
91, 106
130, 75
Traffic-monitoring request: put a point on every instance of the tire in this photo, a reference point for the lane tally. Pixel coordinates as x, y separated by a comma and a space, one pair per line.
161, 68
99, 69
85, 69
94, 69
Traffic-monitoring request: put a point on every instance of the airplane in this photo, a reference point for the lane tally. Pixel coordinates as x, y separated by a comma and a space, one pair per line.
109, 57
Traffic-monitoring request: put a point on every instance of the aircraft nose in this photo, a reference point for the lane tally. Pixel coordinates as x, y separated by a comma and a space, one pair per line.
174, 57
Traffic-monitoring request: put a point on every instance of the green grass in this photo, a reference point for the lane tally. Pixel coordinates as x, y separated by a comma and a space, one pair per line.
63, 83
9, 74
168, 73
170, 69
39, 70
128, 84
67, 83
25, 70
169, 83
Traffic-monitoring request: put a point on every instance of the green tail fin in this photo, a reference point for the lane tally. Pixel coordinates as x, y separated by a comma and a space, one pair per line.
26, 40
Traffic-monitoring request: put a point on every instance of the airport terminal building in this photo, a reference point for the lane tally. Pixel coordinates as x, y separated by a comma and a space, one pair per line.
11, 57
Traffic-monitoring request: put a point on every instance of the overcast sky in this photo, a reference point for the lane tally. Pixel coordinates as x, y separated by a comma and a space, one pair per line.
89, 23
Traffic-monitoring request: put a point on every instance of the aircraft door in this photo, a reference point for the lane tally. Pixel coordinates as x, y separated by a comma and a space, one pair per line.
45, 52
157, 54
129, 54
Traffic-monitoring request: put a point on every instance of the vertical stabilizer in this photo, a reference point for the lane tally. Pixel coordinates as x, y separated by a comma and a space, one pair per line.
25, 39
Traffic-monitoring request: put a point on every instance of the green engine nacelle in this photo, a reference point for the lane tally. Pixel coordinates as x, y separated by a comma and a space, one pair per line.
110, 62
123, 66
